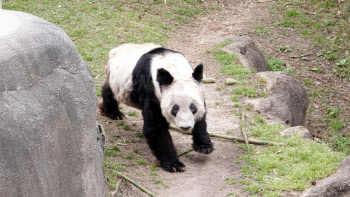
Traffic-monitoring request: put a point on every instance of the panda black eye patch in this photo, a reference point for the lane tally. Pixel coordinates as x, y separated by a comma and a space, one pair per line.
175, 109
193, 108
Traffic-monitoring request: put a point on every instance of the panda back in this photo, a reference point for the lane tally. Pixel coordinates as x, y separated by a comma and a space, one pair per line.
122, 61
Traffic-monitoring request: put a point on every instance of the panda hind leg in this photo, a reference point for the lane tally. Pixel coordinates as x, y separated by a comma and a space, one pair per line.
110, 105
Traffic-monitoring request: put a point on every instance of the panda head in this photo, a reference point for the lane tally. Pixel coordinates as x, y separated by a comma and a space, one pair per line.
182, 102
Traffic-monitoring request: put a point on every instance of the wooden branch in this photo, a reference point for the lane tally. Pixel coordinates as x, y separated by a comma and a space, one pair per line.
238, 139
185, 152
133, 182
244, 132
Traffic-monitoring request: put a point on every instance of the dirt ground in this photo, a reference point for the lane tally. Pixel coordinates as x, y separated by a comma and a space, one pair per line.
206, 175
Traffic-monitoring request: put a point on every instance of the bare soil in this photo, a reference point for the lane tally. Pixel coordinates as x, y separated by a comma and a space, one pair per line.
206, 174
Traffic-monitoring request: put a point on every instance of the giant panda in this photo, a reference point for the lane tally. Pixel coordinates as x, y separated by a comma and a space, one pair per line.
162, 84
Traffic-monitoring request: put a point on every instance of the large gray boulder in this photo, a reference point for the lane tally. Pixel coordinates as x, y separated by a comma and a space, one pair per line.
287, 99
337, 185
249, 54
50, 144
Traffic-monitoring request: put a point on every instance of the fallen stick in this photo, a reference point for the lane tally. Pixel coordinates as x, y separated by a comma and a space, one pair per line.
238, 139
185, 152
244, 132
133, 182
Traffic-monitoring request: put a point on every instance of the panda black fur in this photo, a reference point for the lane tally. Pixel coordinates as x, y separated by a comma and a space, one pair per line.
163, 85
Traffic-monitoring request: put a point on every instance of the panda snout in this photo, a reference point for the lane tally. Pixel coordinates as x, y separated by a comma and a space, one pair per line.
185, 128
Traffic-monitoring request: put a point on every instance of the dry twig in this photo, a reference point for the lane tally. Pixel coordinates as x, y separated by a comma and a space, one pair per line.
185, 152
244, 132
133, 182
238, 139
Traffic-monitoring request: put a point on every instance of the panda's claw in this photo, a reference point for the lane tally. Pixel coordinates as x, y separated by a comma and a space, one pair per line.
205, 148
174, 167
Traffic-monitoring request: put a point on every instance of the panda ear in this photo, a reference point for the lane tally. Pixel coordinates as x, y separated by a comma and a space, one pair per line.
198, 73
164, 77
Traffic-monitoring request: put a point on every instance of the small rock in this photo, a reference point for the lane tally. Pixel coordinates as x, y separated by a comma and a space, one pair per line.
231, 81
287, 99
298, 131
208, 80
249, 54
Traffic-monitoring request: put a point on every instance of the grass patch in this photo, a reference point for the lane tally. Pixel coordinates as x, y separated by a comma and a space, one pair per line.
231, 65
113, 138
277, 168
110, 175
224, 43
126, 127
139, 134
247, 91
231, 181
326, 23
133, 113
141, 162
112, 151
96, 27
234, 98
275, 64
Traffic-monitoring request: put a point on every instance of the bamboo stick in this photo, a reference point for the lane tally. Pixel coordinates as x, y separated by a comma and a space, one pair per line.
133, 182
238, 139
244, 132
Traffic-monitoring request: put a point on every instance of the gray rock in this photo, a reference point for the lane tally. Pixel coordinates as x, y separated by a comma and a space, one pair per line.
298, 131
50, 143
249, 54
337, 185
287, 99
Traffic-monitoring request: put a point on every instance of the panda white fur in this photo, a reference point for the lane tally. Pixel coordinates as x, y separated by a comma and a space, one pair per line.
163, 85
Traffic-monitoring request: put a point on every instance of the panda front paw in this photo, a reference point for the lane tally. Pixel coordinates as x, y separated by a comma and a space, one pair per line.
203, 148
176, 166
119, 116
116, 115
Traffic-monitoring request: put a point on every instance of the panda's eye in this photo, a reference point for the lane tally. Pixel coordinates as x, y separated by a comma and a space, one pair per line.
193, 108
175, 109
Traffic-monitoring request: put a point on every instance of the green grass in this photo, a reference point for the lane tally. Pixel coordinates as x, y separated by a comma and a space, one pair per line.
275, 64
224, 43
126, 127
113, 138
112, 151
231, 65
218, 89
261, 30
231, 181
96, 27
275, 169
133, 113
139, 134
234, 98
141, 162
326, 23
247, 91
111, 176
341, 144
